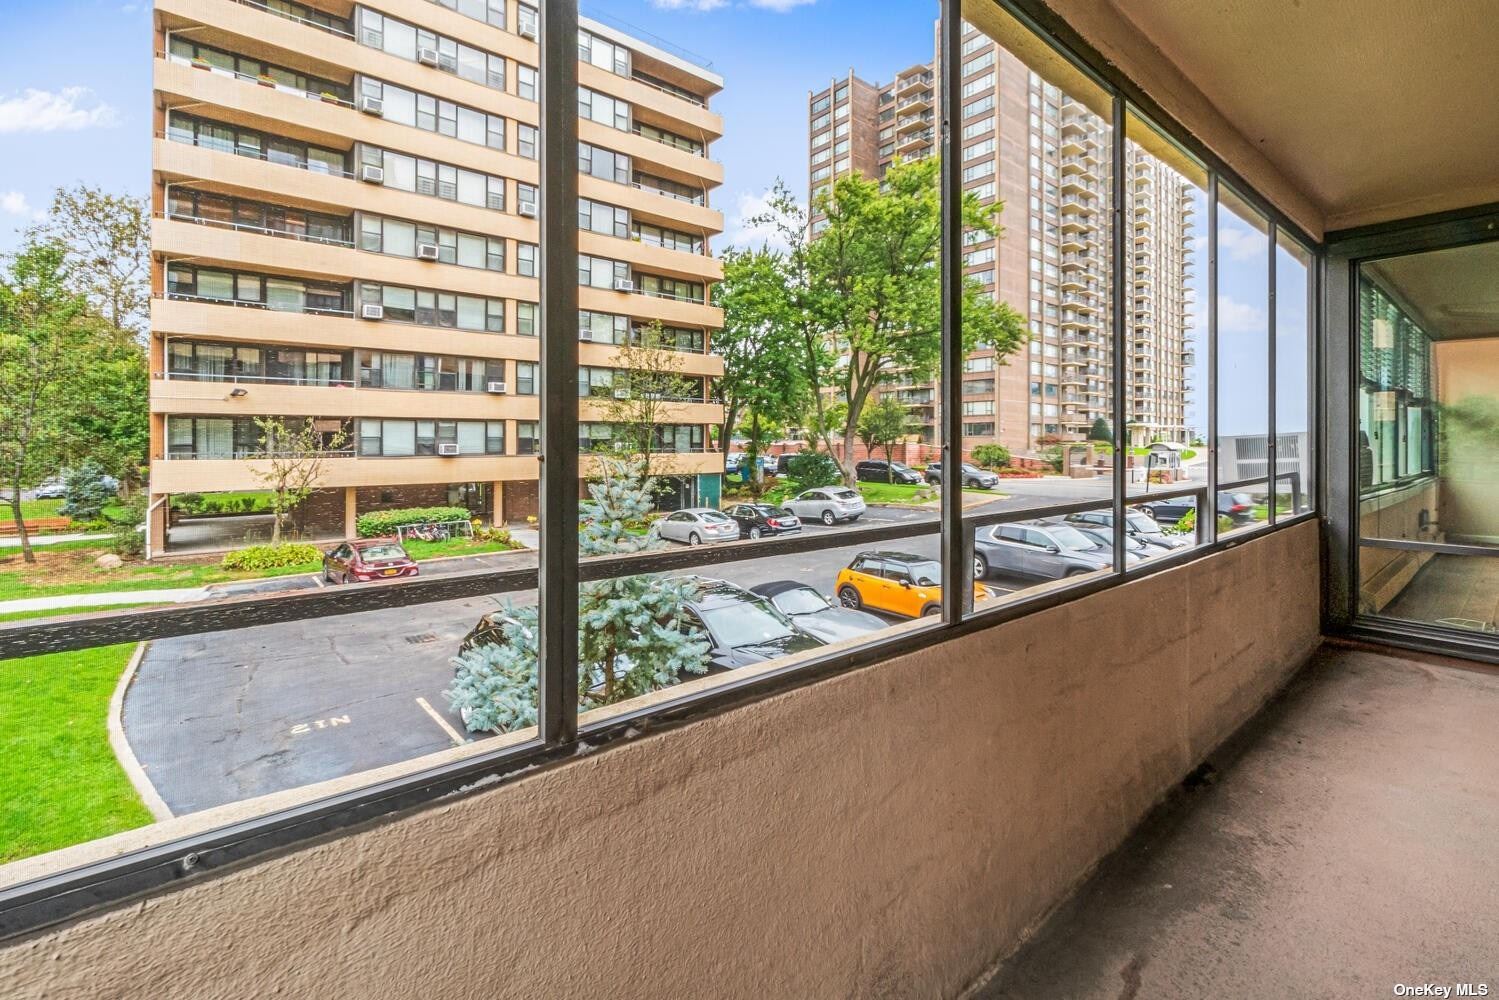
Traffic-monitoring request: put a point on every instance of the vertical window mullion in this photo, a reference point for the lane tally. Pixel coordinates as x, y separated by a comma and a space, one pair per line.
956, 547
1119, 386
1207, 514
1271, 461
557, 684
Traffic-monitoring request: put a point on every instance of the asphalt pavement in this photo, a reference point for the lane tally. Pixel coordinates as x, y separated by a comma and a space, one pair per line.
222, 717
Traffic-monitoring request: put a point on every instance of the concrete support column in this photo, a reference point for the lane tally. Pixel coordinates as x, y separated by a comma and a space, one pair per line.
156, 524
497, 504
351, 511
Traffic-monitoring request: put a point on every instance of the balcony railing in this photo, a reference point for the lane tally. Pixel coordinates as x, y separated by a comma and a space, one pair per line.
266, 82
260, 230
243, 304
236, 379
696, 199
341, 32
311, 166
246, 454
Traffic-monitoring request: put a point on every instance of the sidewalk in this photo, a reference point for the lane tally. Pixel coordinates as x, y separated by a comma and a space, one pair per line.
181, 595
11, 542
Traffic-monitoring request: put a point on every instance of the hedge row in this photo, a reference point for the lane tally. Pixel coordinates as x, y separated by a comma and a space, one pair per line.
384, 522
272, 556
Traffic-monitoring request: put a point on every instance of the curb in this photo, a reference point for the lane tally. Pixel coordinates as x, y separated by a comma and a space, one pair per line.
121, 746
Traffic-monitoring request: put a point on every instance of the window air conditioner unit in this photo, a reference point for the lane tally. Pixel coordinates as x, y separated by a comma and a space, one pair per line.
427, 251
372, 106
621, 392
526, 31
624, 285
585, 335
427, 57
447, 448
527, 208
499, 388
372, 175
371, 310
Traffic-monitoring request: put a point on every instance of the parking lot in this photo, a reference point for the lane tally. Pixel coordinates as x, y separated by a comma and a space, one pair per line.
286, 705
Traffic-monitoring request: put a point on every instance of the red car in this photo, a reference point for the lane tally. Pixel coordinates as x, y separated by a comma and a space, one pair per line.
368, 559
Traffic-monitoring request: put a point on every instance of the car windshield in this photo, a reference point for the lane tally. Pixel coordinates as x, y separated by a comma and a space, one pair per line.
970, 468
1142, 523
844, 494
713, 516
747, 624
801, 601
1071, 539
926, 573
382, 552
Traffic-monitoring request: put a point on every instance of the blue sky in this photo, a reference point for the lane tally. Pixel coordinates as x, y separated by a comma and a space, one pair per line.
75, 105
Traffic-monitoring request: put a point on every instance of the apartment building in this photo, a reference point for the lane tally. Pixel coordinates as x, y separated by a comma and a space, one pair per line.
345, 201
1045, 155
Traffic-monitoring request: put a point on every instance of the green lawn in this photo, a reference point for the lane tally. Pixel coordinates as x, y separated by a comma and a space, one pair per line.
893, 492
228, 502
31, 509
420, 550
62, 783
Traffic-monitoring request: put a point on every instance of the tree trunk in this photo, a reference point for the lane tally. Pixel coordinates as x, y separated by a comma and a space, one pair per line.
845, 462
276, 523
15, 508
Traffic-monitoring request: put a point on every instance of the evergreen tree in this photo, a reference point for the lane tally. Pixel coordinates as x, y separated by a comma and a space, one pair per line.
630, 635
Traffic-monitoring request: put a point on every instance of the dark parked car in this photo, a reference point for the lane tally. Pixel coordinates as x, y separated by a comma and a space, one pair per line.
1039, 549
1134, 550
1238, 507
783, 463
878, 471
812, 612
368, 559
973, 476
741, 627
757, 519
1136, 525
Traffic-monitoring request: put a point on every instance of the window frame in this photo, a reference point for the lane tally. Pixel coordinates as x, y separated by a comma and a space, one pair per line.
52, 898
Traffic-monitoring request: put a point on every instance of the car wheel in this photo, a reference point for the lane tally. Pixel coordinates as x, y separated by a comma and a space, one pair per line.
1075, 571
849, 598
327, 577
828, 518
930, 610
692, 539
754, 533
980, 567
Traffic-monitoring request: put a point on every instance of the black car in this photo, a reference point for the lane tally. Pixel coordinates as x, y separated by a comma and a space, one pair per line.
878, 471
973, 476
743, 628
783, 463
812, 612
1237, 507
757, 519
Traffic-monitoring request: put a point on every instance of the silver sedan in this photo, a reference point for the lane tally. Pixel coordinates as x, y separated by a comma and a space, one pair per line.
698, 526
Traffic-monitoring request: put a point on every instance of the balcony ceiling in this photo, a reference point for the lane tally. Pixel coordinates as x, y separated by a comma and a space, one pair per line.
1377, 110
1455, 292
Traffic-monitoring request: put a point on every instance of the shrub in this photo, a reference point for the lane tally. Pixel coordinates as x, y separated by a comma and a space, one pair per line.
187, 501
272, 556
87, 492
385, 522
127, 540
812, 469
991, 456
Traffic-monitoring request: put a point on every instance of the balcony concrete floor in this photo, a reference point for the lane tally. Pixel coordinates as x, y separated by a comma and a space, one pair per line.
1346, 842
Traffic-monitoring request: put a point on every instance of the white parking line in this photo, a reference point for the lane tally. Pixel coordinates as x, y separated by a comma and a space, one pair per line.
453, 734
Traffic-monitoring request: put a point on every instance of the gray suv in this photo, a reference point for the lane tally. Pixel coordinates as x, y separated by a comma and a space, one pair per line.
1037, 549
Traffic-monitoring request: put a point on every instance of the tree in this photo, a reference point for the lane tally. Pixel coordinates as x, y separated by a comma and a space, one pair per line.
292, 463
87, 492
991, 456
865, 294
643, 398
881, 425
108, 243
47, 339
631, 638
115, 420
757, 342
1100, 431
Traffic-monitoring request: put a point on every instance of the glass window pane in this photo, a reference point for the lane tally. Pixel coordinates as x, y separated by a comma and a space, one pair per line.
1243, 354
1293, 379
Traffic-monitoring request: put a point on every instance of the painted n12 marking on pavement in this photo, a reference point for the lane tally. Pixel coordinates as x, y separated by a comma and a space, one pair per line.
329, 723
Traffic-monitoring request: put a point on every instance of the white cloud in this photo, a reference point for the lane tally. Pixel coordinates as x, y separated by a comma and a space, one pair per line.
699, 6
1242, 243
67, 110
15, 203
742, 231
1240, 317
780, 6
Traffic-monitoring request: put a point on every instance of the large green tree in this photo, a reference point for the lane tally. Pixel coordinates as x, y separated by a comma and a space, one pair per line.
864, 293
49, 338
761, 388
